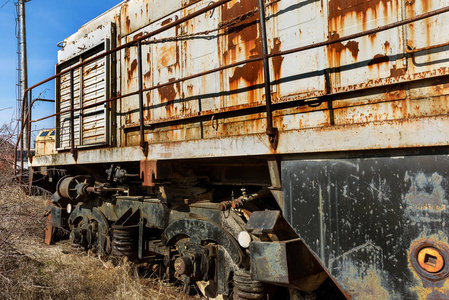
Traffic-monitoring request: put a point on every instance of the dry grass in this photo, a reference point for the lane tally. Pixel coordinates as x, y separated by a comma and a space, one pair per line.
30, 269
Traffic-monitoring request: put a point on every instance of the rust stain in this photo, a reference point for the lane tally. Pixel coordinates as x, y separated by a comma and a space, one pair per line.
341, 8
167, 51
394, 72
277, 60
128, 118
167, 93
378, 59
149, 110
135, 37
128, 24
243, 41
369, 287
165, 22
246, 30
337, 48
132, 69
189, 2
88, 71
248, 72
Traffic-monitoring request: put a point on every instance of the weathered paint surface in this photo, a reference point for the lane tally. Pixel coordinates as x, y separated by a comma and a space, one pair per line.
355, 65
365, 218
91, 84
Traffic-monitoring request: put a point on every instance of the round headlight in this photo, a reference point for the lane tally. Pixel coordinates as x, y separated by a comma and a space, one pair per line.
244, 239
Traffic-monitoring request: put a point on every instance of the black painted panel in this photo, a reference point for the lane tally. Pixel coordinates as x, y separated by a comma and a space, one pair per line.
362, 216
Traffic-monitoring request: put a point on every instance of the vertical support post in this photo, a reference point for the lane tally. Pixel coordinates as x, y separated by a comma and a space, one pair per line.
29, 155
272, 132
72, 116
29, 100
143, 143
24, 79
21, 137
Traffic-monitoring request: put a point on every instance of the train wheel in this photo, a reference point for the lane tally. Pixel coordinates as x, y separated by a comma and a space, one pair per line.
89, 230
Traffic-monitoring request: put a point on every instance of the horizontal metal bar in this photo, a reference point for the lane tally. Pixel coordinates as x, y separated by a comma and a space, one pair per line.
410, 49
134, 42
298, 49
364, 33
156, 86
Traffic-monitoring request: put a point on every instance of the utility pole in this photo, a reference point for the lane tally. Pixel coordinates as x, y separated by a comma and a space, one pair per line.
24, 79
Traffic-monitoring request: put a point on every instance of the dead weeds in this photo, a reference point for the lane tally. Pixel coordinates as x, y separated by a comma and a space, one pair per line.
29, 269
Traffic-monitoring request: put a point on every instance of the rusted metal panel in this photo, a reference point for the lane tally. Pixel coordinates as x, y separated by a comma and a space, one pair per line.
243, 83
64, 103
89, 35
167, 58
91, 84
201, 53
428, 32
370, 57
357, 64
293, 24
419, 132
136, 14
148, 172
368, 219
94, 90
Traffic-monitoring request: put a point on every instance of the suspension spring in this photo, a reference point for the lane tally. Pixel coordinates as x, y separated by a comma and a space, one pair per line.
125, 240
245, 288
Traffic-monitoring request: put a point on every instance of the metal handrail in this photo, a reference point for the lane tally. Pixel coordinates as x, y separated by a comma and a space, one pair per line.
138, 42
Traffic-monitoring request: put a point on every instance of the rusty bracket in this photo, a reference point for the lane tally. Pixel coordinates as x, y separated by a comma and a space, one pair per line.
273, 137
74, 152
148, 172
144, 147
48, 237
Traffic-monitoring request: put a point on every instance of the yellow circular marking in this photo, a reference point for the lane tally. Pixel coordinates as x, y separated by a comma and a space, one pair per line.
431, 260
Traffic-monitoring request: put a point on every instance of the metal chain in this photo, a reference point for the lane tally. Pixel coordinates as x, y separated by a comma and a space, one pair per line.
228, 25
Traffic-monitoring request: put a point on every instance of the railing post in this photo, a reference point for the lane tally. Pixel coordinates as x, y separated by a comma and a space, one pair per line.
21, 137
29, 100
143, 143
271, 131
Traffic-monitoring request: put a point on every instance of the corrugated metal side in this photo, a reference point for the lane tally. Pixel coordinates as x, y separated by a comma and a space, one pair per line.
427, 32
63, 123
356, 65
92, 83
293, 25
370, 57
94, 91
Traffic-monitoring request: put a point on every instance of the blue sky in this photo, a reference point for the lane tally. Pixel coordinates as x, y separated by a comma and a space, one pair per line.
47, 22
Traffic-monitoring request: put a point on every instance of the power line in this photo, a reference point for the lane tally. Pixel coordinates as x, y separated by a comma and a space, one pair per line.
4, 4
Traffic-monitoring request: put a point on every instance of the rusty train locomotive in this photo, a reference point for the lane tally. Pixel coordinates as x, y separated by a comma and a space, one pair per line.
243, 145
